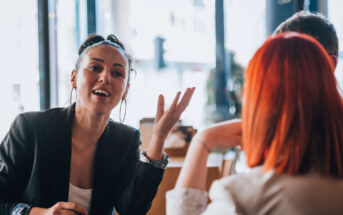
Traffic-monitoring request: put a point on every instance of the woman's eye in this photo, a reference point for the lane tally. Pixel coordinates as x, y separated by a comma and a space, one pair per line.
117, 74
95, 68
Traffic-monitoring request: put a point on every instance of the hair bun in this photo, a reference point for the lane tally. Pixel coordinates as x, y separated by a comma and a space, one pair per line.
115, 40
92, 39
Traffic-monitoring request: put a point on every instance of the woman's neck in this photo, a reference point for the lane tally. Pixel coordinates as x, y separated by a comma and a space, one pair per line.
88, 127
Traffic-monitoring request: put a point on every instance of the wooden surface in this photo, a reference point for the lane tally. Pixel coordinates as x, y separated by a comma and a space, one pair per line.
170, 176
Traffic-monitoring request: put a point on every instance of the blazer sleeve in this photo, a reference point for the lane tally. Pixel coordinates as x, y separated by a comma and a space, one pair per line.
14, 164
136, 197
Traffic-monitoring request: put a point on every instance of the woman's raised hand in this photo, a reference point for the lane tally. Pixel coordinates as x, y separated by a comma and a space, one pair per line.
165, 120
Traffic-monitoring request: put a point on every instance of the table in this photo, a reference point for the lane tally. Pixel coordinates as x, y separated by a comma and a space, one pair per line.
170, 176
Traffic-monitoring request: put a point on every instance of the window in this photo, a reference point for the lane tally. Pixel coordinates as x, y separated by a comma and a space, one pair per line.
19, 60
187, 28
71, 32
245, 27
335, 16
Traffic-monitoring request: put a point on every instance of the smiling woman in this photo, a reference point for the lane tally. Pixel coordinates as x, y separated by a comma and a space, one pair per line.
77, 160
102, 78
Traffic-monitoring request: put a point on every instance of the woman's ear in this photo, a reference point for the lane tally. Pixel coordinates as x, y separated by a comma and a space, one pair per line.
126, 91
73, 78
334, 60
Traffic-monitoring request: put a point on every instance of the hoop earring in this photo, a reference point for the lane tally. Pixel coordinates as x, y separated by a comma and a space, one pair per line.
121, 103
71, 95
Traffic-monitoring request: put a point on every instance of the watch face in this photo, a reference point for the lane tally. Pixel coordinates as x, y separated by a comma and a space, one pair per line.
21, 209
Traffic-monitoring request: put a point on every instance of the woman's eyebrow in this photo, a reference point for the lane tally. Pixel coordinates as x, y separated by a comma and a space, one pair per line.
97, 59
119, 64
102, 61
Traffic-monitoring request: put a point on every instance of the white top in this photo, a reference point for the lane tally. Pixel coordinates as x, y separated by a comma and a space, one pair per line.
261, 193
80, 196
83, 197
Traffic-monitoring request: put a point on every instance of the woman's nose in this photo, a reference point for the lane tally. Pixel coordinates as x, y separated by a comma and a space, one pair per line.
104, 77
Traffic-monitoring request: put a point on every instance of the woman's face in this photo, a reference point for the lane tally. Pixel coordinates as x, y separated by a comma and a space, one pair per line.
101, 81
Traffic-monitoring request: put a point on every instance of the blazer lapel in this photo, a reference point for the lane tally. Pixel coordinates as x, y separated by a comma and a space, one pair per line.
111, 149
57, 151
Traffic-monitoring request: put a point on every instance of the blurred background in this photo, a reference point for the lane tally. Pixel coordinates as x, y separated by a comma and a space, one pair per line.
175, 44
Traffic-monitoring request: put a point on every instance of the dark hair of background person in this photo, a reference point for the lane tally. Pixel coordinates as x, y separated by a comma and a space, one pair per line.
316, 25
293, 112
96, 40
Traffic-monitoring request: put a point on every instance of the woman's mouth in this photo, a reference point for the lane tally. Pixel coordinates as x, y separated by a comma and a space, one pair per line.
102, 93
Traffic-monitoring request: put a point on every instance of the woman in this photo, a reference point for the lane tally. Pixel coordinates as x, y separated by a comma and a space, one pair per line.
77, 160
292, 138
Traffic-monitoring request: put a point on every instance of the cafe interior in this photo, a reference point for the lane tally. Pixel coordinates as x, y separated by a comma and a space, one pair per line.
174, 44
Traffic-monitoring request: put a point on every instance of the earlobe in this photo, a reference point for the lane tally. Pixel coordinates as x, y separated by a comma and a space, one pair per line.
126, 91
73, 78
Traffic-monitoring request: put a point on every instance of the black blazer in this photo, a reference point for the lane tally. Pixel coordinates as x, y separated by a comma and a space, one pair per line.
35, 160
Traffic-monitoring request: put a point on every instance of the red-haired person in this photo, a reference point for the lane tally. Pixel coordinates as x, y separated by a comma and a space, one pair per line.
292, 137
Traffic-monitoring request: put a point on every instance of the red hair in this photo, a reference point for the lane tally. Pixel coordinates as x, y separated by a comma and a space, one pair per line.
293, 113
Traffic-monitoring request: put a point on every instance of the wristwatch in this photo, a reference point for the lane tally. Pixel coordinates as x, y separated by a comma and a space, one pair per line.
159, 164
21, 209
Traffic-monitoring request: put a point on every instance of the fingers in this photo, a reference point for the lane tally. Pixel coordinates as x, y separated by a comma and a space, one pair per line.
160, 107
165, 120
176, 108
73, 207
176, 99
186, 99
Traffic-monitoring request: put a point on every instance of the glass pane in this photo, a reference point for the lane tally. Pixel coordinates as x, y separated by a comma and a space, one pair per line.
335, 16
71, 31
187, 27
245, 27
19, 60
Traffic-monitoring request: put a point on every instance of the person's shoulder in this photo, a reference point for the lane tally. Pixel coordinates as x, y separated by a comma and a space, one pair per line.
47, 112
255, 175
33, 114
241, 190
252, 181
33, 117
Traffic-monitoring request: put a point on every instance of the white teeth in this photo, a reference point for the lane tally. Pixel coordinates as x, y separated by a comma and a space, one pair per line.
102, 92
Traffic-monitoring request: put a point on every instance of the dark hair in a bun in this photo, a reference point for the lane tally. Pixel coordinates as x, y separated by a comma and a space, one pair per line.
115, 40
96, 40
91, 40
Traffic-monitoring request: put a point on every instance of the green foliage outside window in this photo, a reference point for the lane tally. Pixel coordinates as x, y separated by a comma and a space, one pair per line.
233, 92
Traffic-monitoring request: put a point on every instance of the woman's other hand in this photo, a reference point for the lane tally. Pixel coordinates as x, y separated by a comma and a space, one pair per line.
165, 120
226, 134
221, 135
60, 208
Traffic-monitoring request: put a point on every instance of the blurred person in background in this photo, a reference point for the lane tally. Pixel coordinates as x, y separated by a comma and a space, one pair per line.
316, 25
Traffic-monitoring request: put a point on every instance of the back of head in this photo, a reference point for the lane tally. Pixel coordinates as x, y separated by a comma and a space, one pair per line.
293, 113
315, 25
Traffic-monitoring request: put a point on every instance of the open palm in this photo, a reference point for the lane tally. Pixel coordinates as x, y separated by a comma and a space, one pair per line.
165, 120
